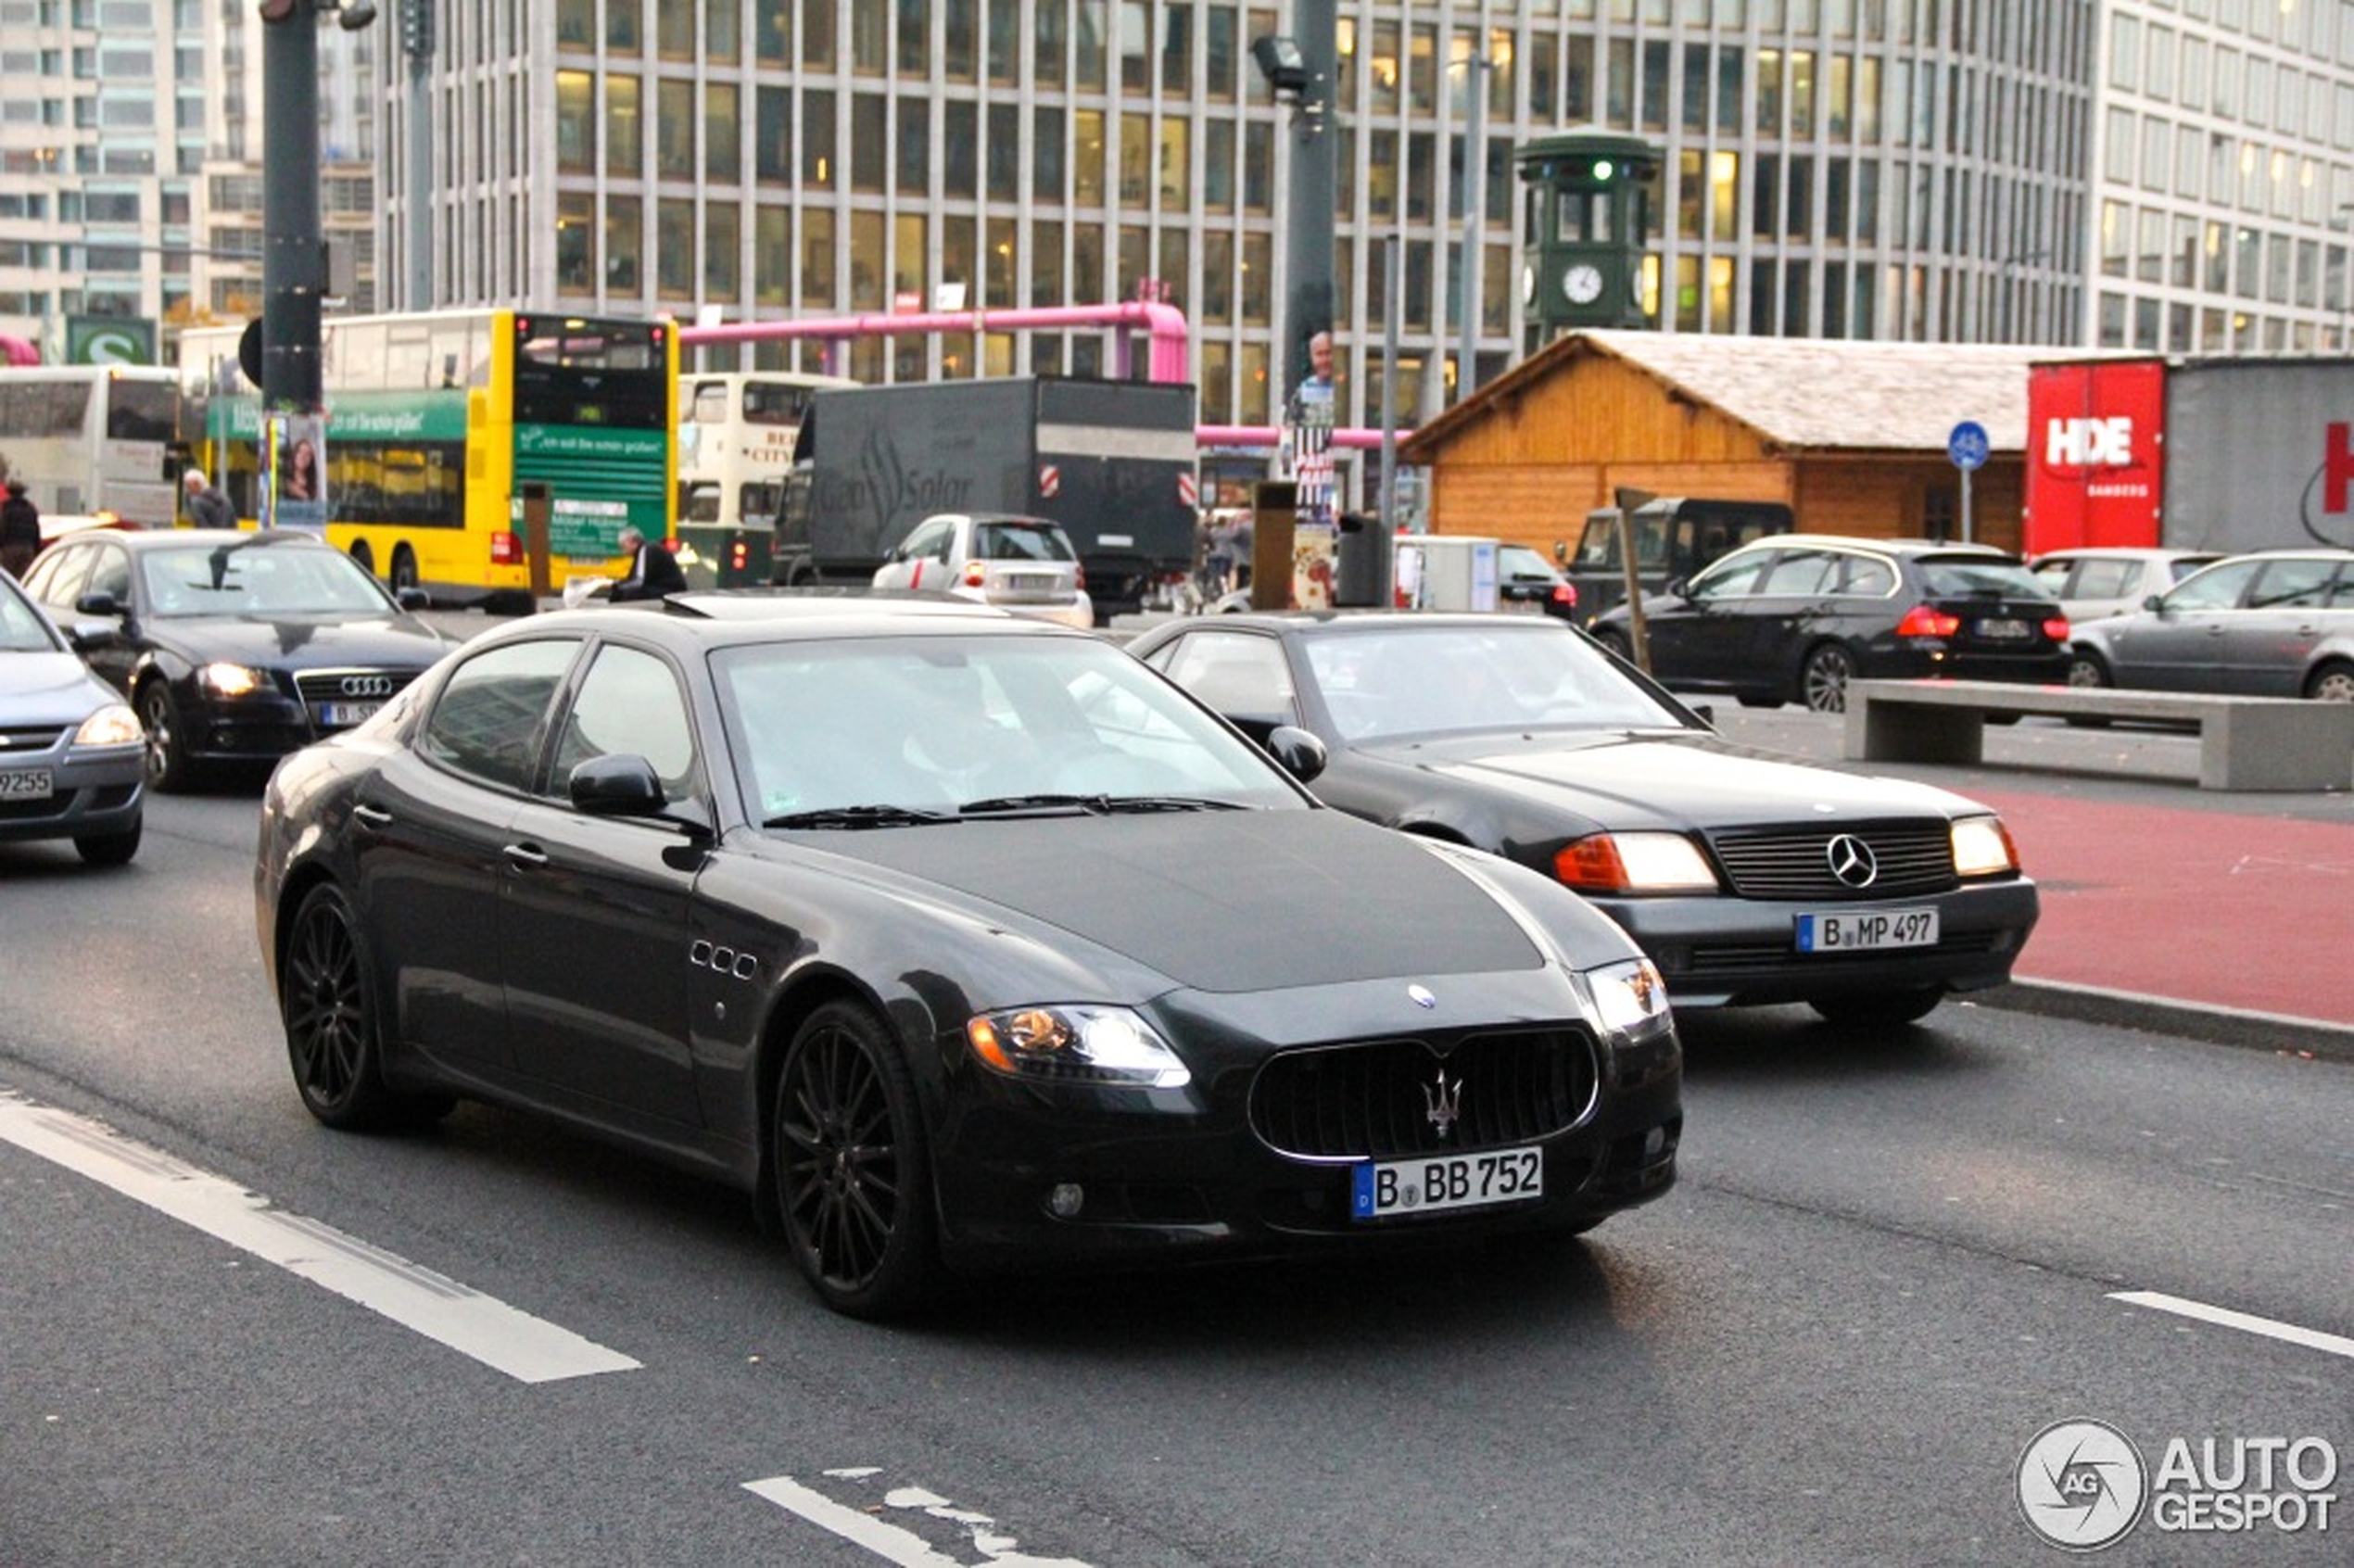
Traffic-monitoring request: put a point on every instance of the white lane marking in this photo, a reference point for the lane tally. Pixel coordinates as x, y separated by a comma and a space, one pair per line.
900, 1547
2270, 1328
502, 1337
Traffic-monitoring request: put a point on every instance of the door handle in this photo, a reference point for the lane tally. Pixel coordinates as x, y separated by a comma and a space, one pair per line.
525, 857
373, 819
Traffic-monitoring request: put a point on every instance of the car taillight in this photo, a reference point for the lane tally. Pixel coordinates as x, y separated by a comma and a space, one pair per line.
1927, 620
1566, 595
506, 549
1079, 577
2056, 628
975, 573
739, 556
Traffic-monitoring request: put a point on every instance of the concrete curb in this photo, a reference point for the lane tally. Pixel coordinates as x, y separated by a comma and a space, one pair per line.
2157, 1014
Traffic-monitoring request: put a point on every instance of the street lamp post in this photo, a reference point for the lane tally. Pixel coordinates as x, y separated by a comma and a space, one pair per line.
1475, 68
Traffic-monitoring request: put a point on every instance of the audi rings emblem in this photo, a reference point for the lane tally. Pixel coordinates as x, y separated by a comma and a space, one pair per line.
367, 686
1852, 861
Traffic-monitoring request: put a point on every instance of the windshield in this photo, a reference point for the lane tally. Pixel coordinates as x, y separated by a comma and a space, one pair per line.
882, 731
1441, 680
255, 579
22, 628
1021, 541
1952, 576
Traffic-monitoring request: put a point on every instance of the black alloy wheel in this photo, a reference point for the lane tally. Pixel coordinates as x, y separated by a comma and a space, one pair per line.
853, 1175
1822, 680
326, 997
168, 768
1883, 1009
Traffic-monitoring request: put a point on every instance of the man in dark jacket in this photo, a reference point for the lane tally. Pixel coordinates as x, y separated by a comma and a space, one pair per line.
20, 530
208, 508
653, 571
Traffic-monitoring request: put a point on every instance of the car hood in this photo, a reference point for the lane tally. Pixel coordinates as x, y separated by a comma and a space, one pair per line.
48, 689
1225, 901
301, 641
1632, 779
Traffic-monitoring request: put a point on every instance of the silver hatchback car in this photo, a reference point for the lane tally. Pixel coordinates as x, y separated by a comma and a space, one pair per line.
1025, 564
72, 757
2277, 623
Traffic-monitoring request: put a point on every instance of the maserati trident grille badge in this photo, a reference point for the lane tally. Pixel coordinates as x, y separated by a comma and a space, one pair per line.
1445, 1101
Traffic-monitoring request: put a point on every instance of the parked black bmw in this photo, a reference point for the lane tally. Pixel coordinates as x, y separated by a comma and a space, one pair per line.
1794, 618
233, 647
958, 939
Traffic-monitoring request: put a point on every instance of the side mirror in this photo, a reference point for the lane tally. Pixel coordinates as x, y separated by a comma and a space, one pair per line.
623, 784
413, 598
99, 603
86, 637
2153, 602
1296, 751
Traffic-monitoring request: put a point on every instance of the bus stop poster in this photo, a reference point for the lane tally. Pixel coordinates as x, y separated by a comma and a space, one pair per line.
294, 474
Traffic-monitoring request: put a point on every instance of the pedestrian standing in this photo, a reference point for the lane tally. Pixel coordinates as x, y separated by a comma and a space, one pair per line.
208, 508
20, 530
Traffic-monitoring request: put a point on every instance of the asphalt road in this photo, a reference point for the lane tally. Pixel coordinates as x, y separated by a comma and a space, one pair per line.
1890, 1262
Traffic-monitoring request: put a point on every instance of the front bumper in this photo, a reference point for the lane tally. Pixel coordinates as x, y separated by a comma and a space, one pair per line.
1732, 952
94, 794
1164, 1176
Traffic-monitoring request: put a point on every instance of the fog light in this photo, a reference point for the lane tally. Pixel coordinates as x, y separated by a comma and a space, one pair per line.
1064, 1200
1654, 1141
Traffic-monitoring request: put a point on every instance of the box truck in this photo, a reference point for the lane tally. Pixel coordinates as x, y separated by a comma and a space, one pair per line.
1113, 462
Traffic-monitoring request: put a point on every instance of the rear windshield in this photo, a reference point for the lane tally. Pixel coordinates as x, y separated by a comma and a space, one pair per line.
1967, 577
1021, 541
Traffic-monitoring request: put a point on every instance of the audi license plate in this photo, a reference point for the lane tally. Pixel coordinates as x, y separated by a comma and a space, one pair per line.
343, 716
1850, 933
2000, 630
27, 784
1469, 1180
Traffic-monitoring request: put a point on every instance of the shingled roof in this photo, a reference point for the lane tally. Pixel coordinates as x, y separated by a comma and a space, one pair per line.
1810, 392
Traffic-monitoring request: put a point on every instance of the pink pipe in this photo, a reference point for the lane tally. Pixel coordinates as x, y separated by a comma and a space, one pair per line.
1166, 323
1269, 435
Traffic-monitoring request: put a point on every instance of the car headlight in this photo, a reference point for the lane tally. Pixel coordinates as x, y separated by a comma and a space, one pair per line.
1640, 862
1076, 1044
232, 680
1982, 847
113, 725
1631, 997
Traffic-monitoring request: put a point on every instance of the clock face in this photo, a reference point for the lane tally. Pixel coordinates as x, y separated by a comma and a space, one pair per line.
1583, 283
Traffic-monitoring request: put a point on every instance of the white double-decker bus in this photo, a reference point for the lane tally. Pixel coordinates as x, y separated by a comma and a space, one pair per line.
736, 434
91, 441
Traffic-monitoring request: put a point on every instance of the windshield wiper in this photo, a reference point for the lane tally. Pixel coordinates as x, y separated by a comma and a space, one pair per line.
1167, 802
860, 816
996, 805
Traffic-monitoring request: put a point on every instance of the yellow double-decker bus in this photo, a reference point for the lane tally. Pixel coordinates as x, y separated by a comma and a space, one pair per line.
457, 440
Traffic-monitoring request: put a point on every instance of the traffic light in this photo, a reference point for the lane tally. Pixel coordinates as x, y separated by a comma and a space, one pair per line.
416, 29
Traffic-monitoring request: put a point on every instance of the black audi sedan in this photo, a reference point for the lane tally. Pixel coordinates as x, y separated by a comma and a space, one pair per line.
959, 940
1794, 618
1748, 878
233, 647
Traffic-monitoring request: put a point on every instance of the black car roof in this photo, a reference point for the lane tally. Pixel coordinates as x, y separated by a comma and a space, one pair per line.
1369, 619
716, 616
181, 538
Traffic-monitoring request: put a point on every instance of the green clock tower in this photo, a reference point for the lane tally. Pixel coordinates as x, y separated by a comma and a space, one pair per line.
1589, 217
